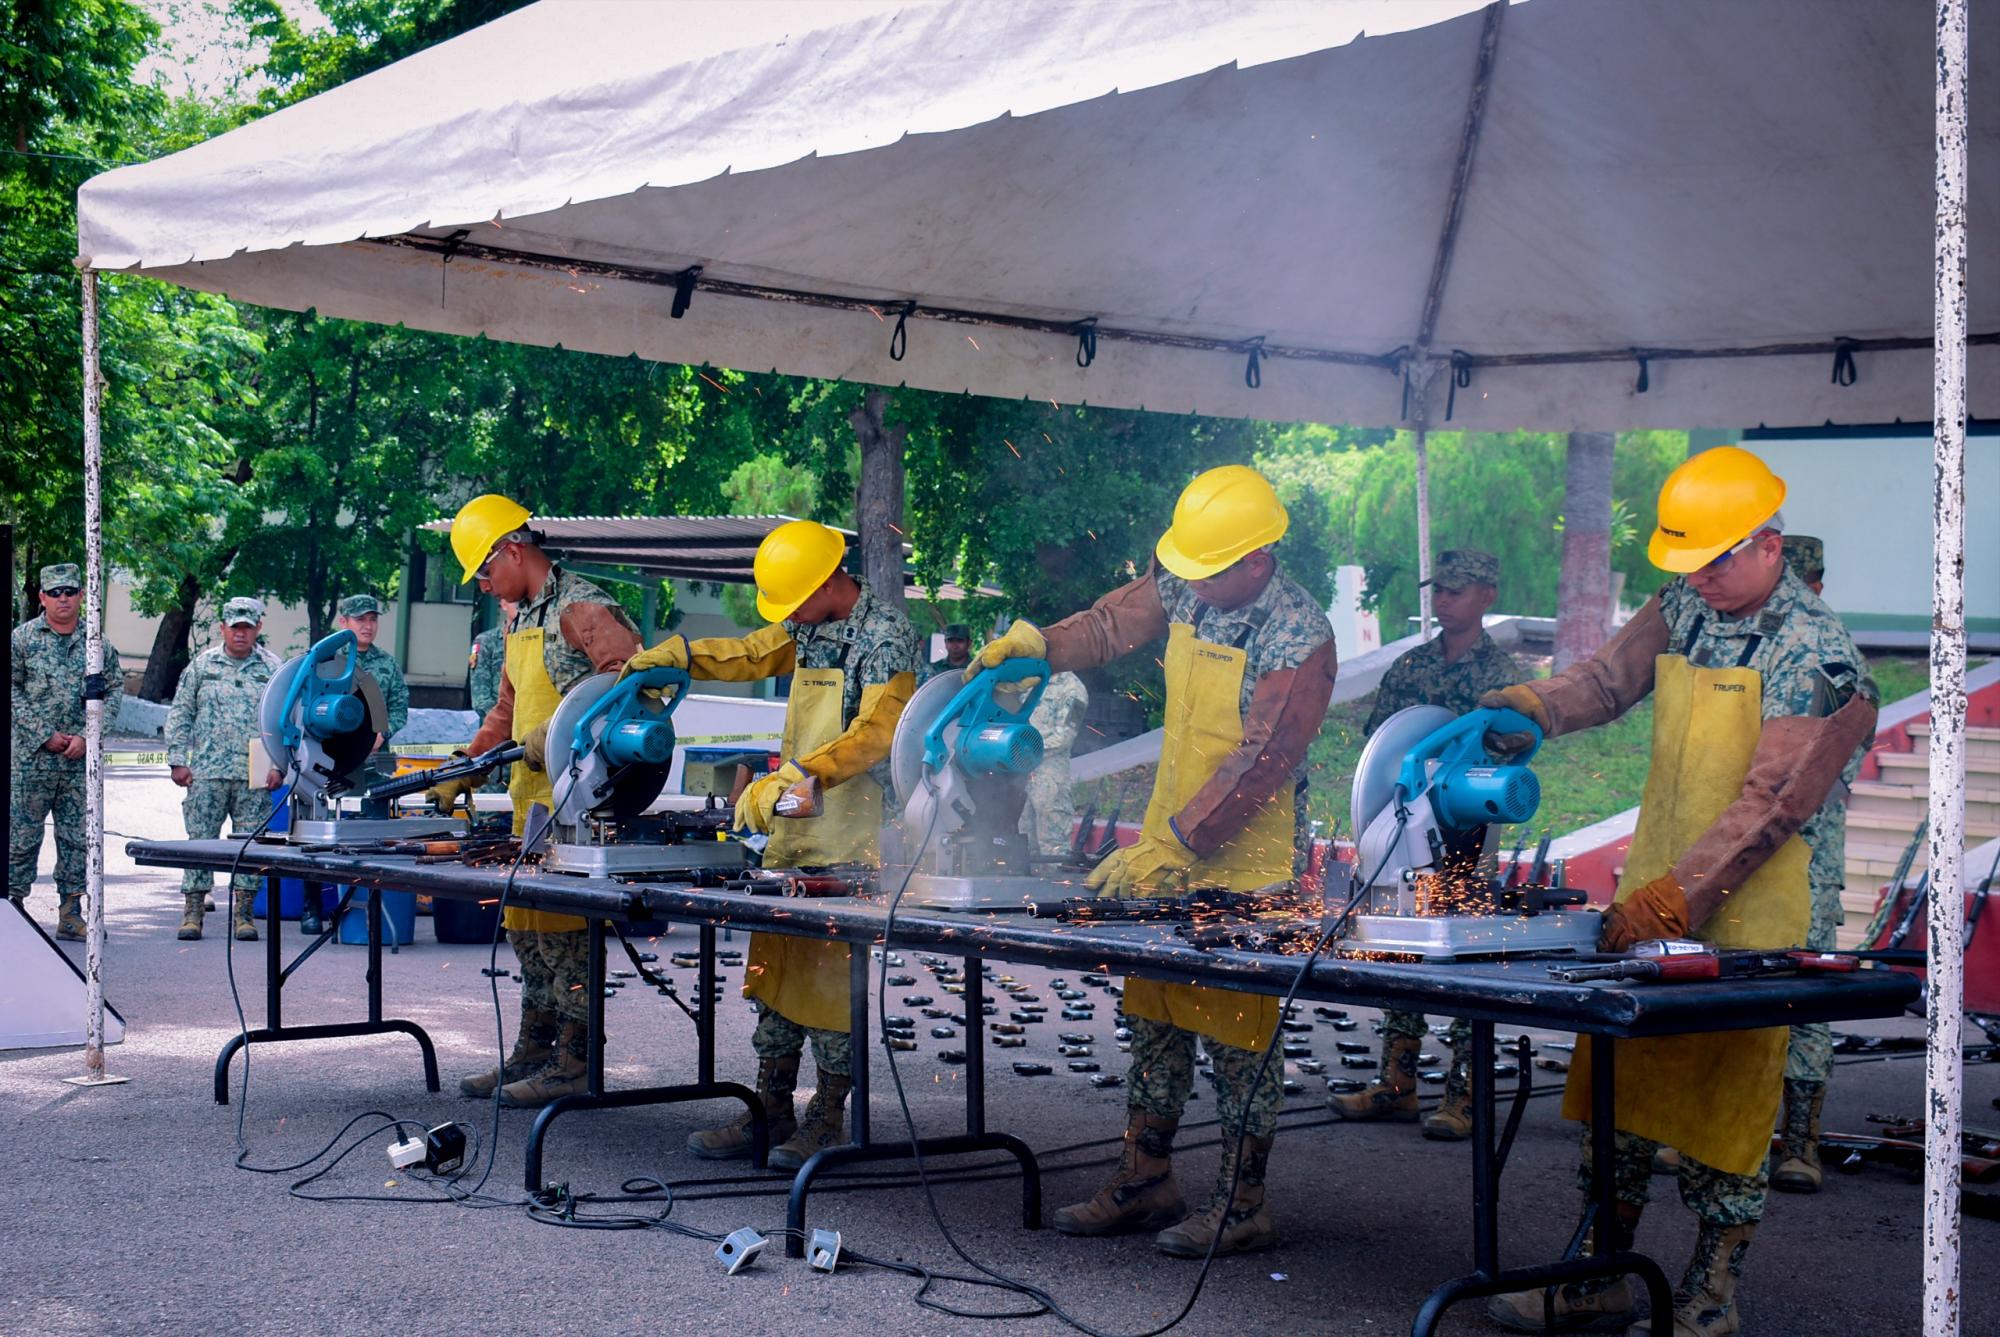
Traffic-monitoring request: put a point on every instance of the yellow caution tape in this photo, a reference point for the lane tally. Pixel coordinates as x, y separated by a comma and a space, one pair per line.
446, 749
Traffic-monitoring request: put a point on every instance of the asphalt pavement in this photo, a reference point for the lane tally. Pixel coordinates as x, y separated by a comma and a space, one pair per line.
133, 1217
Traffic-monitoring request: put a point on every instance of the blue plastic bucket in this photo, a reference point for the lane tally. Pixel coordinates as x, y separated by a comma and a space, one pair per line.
399, 918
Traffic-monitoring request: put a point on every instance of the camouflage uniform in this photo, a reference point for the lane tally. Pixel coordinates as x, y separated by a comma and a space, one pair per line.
489, 657
47, 686
209, 728
1051, 812
1806, 556
1422, 677
1810, 668
1161, 1077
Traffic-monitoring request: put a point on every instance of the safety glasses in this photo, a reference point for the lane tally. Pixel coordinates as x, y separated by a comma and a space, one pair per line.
1716, 565
63, 592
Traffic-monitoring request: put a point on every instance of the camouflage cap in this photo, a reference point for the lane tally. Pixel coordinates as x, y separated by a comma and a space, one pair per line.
359, 605
958, 631
1806, 556
243, 611
61, 575
1459, 567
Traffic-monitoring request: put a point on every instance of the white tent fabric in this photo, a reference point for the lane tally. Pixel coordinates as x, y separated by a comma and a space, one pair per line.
1700, 176
41, 993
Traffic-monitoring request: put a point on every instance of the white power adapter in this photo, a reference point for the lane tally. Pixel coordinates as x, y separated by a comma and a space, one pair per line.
406, 1153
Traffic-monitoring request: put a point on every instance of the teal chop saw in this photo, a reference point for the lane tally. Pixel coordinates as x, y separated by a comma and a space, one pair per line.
960, 761
318, 720
610, 746
1429, 804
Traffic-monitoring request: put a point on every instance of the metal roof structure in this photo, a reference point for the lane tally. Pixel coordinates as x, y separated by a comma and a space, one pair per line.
684, 547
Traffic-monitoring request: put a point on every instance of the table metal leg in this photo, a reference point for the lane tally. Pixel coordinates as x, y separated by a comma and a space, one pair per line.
1605, 1261
597, 1098
276, 973
974, 1139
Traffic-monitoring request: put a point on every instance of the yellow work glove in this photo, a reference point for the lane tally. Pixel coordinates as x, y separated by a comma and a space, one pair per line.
1150, 864
758, 805
1517, 697
1657, 910
535, 747
670, 653
1021, 641
446, 795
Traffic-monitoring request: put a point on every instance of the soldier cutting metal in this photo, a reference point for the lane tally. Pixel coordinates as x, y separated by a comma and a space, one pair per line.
1760, 703
854, 661
1453, 670
566, 630
1249, 669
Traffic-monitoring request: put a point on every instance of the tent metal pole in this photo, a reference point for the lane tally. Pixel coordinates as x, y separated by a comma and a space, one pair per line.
1944, 1117
93, 703
1423, 529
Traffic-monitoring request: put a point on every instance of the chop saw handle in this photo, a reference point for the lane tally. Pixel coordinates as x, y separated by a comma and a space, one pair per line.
1460, 744
978, 702
307, 683
624, 696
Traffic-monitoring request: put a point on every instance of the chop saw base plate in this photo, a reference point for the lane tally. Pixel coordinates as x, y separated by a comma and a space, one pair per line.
640, 858
993, 891
1468, 937
355, 830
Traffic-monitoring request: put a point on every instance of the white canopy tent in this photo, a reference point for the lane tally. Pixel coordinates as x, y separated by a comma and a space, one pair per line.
1558, 214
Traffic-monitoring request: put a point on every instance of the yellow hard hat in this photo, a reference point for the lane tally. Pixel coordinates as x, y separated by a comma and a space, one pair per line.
1710, 504
792, 562
1221, 517
481, 523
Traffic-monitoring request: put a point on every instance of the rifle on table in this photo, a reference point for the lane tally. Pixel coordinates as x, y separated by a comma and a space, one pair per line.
1207, 903
418, 781
1880, 919
1687, 959
1901, 1144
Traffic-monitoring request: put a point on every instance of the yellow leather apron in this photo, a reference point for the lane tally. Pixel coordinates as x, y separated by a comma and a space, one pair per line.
1204, 724
1712, 1096
805, 981
535, 700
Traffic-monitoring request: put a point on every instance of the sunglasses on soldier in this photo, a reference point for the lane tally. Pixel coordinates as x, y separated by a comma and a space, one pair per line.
63, 592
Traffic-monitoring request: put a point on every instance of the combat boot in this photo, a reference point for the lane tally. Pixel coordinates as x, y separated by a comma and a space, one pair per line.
777, 1078
1391, 1096
1451, 1121
69, 920
1705, 1301
191, 913
1581, 1306
1141, 1194
1799, 1171
822, 1126
1243, 1220
567, 1073
240, 922
533, 1048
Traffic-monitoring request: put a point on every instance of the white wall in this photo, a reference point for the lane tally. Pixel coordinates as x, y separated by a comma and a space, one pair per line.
1870, 500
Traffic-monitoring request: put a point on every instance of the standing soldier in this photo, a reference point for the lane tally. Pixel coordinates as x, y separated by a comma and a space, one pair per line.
1051, 811
362, 615
1760, 703
47, 743
1453, 669
489, 658
1806, 556
957, 652
208, 733
565, 630
853, 658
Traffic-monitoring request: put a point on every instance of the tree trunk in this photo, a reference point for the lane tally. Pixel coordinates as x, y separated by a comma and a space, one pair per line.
169, 656
878, 496
1583, 593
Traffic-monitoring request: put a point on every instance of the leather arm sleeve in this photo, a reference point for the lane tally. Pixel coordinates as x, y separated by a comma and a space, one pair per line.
602, 633
765, 653
1114, 626
1610, 682
865, 741
498, 726
1797, 762
1287, 708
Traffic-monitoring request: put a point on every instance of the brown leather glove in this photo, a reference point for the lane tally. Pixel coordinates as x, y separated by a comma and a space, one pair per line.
1516, 697
1657, 910
535, 747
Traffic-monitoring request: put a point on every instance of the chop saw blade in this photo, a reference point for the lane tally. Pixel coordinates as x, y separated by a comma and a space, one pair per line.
1372, 804
585, 781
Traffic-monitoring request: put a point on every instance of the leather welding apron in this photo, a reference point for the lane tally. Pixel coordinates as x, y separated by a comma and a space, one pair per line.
1712, 1096
805, 981
1204, 724
535, 701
